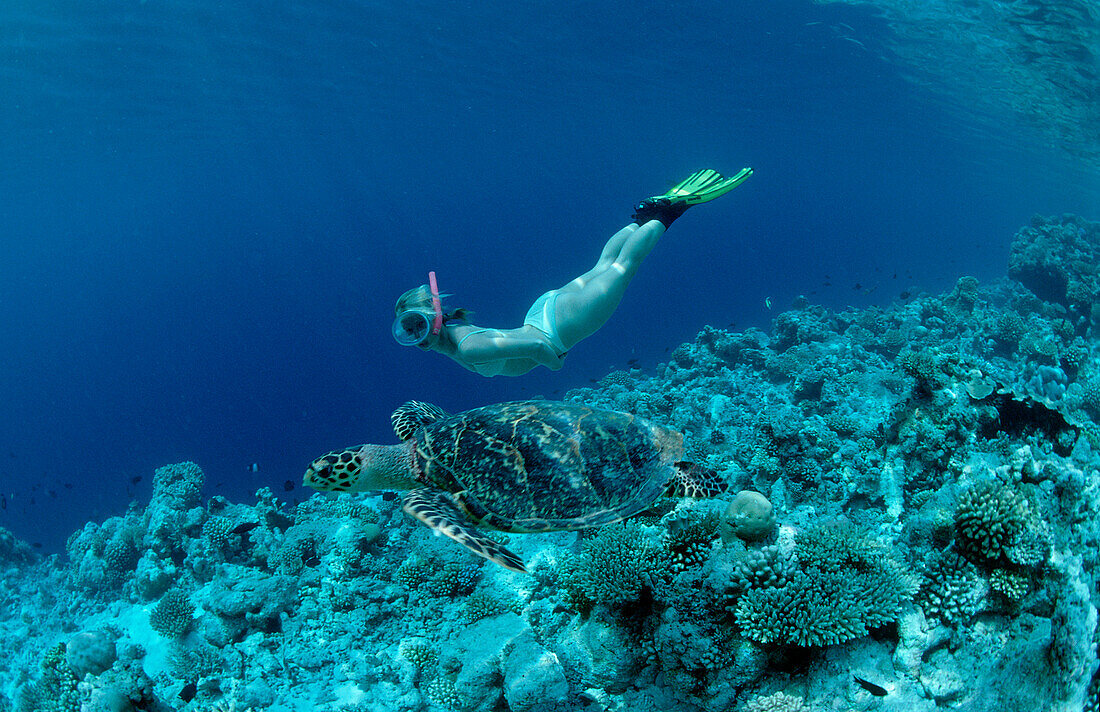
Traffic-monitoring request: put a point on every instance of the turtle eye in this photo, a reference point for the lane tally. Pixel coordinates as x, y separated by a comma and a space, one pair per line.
319, 474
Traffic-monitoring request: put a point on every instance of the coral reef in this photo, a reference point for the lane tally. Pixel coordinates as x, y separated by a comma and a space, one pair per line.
916, 530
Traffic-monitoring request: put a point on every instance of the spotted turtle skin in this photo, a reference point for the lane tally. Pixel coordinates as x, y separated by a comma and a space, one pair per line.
533, 466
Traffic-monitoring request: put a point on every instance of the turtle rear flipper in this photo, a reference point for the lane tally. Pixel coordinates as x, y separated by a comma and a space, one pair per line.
697, 481
439, 512
414, 415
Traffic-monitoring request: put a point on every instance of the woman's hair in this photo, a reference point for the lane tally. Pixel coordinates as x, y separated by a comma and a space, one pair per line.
420, 298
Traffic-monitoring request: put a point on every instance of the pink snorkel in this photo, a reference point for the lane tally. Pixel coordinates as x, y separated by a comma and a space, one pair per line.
437, 322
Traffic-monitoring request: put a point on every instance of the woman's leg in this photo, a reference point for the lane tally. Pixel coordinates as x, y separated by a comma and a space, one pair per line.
586, 303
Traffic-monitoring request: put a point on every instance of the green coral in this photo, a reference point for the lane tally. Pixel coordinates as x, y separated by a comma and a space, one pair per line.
483, 605
413, 572
953, 590
453, 580
614, 567
56, 687
617, 378
120, 556
171, 617
921, 365
764, 567
442, 692
846, 585
191, 663
990, 520
1013, 585
690, 538
776, 702
419, 653
218, 531
1010, 327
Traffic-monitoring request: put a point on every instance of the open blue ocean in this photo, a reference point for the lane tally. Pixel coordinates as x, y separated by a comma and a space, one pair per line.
890, 332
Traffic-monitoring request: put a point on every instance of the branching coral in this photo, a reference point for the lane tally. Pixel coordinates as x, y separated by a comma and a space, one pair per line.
171, 617
845, 586
990, 519
614, 567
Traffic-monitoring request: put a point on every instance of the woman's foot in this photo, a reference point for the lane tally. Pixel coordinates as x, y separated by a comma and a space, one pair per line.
700, 187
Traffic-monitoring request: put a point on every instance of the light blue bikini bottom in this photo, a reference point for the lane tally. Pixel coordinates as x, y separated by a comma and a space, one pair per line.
541, 317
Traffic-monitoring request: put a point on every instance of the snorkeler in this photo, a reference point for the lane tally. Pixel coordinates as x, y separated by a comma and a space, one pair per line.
561, 317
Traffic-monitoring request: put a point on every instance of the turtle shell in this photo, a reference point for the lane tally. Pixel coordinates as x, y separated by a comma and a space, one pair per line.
539, 465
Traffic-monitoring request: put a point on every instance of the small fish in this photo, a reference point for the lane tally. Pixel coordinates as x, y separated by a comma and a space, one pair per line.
3, 501
871, 687
134, 480
768, 302
188, 692
389, 496
37, 545
288, 485
311, 560
254, 467
68, 485
245, 528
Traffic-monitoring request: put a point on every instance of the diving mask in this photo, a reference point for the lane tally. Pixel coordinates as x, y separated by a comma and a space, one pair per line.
412, 327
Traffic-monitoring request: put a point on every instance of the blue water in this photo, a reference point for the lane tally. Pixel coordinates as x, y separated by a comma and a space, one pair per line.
209, 208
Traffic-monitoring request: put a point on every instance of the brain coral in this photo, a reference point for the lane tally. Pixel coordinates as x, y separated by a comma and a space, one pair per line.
750, 516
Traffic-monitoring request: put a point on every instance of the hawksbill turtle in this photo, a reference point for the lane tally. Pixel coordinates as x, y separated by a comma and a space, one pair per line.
527, 466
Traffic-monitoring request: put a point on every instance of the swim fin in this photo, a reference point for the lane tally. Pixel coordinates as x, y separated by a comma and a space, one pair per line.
699, 187
703, 186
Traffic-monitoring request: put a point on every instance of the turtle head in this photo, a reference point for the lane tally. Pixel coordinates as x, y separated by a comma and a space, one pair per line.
362, 468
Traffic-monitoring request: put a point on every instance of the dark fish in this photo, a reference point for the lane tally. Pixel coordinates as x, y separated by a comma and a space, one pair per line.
3, 501
870, 687
254, 467
288, 485
857, 286
634, 361
188, 692
52, 493
389, 496
68, 485
37, 545
135, 480
245, 528
311, 560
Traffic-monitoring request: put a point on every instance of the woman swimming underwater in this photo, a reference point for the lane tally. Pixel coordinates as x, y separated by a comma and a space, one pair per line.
561, 317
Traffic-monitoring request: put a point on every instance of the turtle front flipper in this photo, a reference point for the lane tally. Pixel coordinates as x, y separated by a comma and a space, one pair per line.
439, 512
697, 481
414, 415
